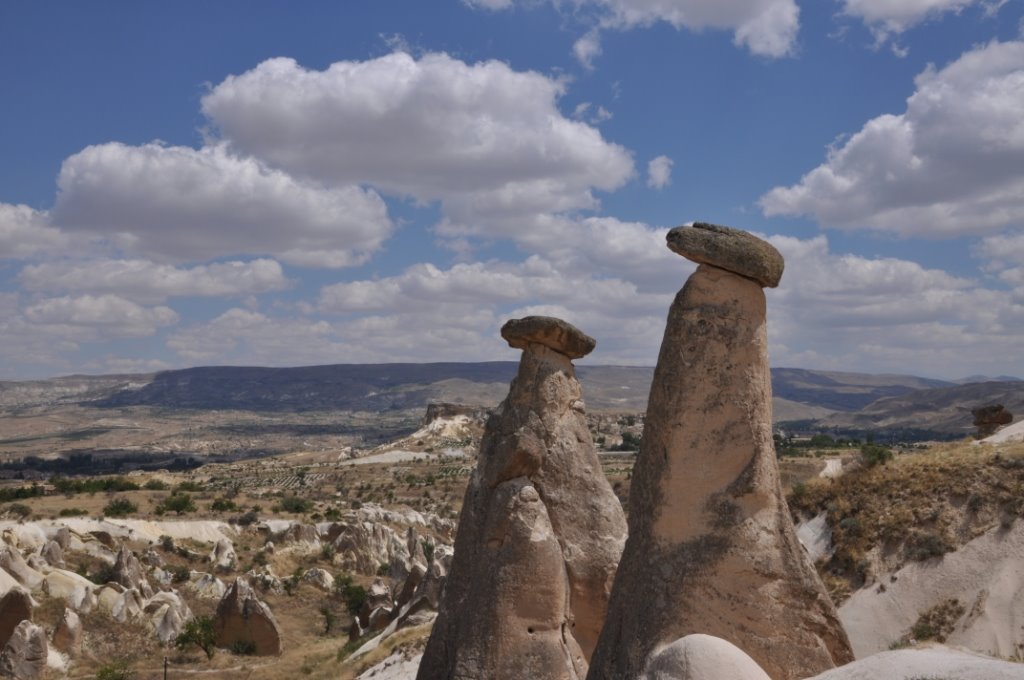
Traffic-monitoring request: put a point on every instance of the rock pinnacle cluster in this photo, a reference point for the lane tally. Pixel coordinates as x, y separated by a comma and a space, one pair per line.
540, 532
711, 547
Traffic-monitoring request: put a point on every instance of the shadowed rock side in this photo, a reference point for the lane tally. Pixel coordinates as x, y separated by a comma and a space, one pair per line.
711, 545
540, 532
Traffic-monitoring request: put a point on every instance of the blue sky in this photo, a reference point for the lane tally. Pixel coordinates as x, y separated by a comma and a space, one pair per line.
321, 182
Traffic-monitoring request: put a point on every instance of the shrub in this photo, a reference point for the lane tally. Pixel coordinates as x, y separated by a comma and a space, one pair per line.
199, 632
354, 595
926, 546
246, 519
72, 512
296, 505
155, 485
188, 486
223, 505
119, 507
180, 573
938, 622
873, 454
115, 670
19, 510
103, 574
178, 503
243, 647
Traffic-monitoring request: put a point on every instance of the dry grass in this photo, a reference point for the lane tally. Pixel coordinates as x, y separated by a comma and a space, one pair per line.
916, 507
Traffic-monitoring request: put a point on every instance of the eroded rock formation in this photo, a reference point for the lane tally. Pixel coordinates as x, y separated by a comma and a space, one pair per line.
540, 532
243, 618
711, 545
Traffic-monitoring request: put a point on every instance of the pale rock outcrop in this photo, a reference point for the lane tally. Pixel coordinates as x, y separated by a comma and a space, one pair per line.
53, 554
37, 562
77, 591
364, 546
153, 558
129, 573
242, 617
702, 657
7, 582
223, 555
167, 613
409, 586
320, 578
15, 606
128, 606
931, 663
24, 656
711, 545
540, 533
300, 536
67, 636
265, 579
14, 564
62, 537
207, 586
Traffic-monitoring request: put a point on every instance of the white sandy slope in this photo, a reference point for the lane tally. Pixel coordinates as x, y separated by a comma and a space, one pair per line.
395, 667
1014, 432
986, 575
933, 663
35, 534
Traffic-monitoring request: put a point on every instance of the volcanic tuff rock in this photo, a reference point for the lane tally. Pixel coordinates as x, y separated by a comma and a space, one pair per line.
711, 545
67, 636
733, 250
702, 657
241, 617
24, 655
540, 532
15, 606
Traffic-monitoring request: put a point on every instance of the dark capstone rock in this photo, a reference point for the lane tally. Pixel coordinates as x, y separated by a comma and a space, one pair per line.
553, 333
734, 250
990, 418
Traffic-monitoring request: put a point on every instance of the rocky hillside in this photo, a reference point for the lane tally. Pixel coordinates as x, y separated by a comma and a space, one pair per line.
928, 546
943, 409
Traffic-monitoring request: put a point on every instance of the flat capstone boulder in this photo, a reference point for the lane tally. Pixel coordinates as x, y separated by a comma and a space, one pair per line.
549, 331
733, 250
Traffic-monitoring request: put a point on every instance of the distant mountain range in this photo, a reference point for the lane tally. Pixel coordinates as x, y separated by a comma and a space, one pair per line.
836, 400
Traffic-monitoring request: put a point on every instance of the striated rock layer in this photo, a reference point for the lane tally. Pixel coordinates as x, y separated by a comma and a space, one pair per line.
540, 532
711, 545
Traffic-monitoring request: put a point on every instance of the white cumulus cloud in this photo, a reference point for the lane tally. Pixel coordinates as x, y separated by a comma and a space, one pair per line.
659, 172
952, 164
887, 18
765, 27
25, 233
148, 282
110, 315
182, 204
481, 138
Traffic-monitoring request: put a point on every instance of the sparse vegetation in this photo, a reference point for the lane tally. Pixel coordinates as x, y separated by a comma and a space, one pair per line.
352, 594
178, 503
120, 507
198, 631
115, 670
911, 507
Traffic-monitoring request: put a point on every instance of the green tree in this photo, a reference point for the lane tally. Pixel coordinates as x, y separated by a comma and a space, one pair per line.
199, 632
178, 503
119, 507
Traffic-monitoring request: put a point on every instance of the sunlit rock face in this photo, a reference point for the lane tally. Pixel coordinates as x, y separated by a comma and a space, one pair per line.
540, 532
711, 545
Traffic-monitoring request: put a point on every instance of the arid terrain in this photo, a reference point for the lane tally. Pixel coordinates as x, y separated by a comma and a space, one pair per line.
334, 515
